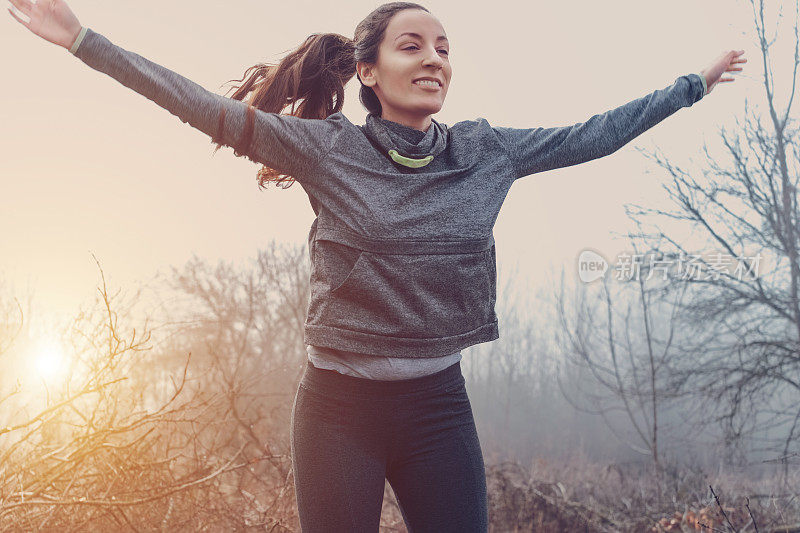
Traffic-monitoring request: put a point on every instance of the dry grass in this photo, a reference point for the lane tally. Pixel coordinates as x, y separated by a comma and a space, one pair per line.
579, 495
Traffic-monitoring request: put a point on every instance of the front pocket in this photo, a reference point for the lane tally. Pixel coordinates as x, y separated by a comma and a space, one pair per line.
337, 260
408, 295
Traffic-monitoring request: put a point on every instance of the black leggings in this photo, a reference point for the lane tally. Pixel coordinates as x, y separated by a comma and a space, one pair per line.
349, 434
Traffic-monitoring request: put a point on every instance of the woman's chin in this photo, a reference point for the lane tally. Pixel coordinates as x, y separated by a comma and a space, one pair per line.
431, 109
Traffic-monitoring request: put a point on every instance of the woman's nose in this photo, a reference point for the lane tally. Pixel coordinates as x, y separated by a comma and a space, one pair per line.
433, 58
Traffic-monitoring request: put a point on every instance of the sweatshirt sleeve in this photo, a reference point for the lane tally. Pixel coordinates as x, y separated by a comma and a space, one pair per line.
289, 144
533, 150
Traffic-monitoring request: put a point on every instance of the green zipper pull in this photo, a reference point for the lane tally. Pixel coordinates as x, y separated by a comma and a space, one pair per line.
409, 162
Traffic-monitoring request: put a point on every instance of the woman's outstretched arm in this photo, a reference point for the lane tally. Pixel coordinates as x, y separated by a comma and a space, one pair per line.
286, 143
533, 150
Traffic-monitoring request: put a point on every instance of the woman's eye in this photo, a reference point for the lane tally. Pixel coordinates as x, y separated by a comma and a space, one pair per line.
416, 47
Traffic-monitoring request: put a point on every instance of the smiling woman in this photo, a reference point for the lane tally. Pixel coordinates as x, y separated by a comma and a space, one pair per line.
413, 72
403, 273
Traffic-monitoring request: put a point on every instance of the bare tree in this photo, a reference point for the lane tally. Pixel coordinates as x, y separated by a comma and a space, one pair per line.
513, 385
244, 326
623, 335
741, 319
107, 449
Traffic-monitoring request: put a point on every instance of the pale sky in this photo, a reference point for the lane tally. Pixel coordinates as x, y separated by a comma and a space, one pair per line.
89, 166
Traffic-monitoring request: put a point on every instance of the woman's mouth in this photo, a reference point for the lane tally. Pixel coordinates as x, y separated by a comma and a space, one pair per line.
427, 85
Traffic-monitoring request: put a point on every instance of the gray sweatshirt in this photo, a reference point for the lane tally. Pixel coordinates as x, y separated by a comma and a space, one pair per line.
381, 367
402, 259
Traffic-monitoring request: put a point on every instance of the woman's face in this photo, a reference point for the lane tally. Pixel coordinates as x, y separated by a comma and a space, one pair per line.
414, 46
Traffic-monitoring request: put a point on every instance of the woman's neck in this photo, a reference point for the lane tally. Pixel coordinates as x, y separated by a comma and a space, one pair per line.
421, 124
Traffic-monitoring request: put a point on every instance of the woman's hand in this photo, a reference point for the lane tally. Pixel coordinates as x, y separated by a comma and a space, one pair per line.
724, 63
52, 20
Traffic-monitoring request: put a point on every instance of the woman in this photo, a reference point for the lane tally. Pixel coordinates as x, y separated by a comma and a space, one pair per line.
403, 260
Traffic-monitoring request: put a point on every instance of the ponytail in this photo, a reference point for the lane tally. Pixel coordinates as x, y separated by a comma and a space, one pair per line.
314, 75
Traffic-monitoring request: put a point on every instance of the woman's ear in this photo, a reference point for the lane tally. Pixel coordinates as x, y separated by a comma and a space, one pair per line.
366, 73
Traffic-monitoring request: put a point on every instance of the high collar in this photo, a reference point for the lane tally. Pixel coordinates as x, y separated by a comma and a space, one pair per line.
432, 143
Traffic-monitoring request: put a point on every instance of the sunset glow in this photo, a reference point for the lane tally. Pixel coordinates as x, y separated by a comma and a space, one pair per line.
48, 359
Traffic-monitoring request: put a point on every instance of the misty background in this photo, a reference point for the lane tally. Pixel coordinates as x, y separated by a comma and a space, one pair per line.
136, 268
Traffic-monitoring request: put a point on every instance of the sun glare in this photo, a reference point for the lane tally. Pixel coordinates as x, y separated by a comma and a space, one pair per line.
48, 359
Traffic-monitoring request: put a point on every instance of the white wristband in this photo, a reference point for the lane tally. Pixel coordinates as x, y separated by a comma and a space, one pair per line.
705, 84
78, 40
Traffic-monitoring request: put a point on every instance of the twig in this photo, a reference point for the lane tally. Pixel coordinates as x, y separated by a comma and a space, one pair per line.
122, 503
722, 510
753, 518
710, 528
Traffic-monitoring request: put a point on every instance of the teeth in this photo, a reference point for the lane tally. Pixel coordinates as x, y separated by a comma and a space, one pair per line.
427, 82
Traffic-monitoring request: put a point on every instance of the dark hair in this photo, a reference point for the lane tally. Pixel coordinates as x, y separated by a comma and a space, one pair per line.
315, 75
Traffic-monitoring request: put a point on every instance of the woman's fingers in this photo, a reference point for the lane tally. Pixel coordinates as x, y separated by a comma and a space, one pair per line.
25, 6
728, 61
736, 60
26, 24
734, 55
51, 20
